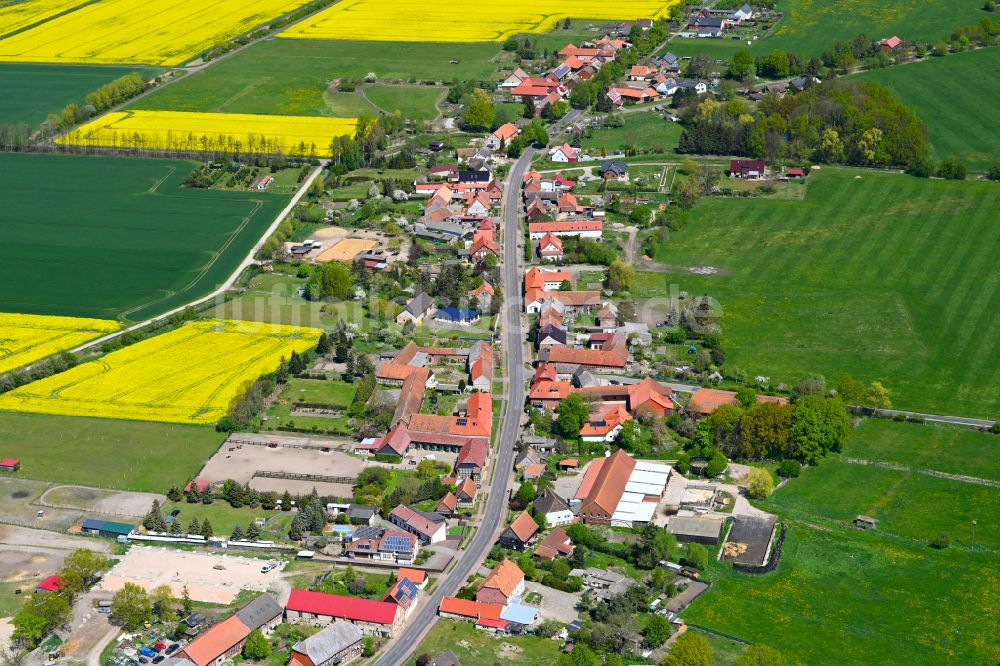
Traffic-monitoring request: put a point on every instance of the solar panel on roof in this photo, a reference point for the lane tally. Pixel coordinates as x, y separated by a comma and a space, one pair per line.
398, 543
405, 591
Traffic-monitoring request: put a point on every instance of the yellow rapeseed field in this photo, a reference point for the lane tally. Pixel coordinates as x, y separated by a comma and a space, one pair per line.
161, 32
25, 339
182, 130
22, 14
460, 20
189, 375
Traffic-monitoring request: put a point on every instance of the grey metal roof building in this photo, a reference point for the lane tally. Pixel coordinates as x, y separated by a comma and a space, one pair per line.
262, 610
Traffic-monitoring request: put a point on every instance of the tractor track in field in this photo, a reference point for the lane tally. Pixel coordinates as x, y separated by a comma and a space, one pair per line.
897, 467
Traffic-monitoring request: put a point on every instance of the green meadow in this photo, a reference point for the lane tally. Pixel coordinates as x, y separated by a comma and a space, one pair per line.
883, 276
646, 131
842, 595
32, 92
107, 453
957, 97
297, 77
118, 238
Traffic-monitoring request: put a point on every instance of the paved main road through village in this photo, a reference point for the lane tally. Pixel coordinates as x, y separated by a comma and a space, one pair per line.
512, 336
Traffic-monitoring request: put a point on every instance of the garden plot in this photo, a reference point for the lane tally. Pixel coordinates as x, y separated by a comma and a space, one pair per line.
210, 578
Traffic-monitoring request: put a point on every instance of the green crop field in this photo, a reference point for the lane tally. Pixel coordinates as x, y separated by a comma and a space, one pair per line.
294, 77
812, 26
883, 276
32, 92
957, 97
118, 238
841, 595
107, 453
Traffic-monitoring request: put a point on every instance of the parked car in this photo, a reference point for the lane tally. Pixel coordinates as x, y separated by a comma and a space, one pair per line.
173, 648
158, 659
159, 645
147, 652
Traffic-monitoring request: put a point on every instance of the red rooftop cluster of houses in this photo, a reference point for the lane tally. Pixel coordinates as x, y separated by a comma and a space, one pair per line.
497, 606
578, 63
555, 213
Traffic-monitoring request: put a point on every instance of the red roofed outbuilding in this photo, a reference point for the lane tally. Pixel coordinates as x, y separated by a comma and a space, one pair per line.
375, 618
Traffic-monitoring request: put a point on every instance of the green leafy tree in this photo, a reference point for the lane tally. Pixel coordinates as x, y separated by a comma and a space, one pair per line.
572, 414
256, 647
760, 655
630, 436
717, 463
29, 628
656, 631
525, 495
479, 112
237, 534
850, 390
819, 425
206, 529
131, 606
82, 567
724, 425
877, 396
741, 65
621, 277
766, 431
691, 649
162, 599
253, 532
194, 527
760, 485
286, 501
334, 280
40, 614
